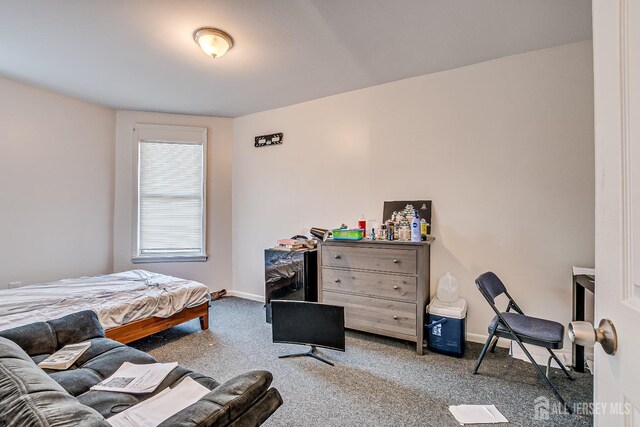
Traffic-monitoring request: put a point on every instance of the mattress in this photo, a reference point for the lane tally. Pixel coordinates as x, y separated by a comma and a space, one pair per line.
117, 298
282, 265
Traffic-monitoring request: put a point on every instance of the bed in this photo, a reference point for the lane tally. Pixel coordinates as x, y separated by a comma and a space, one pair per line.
130, 305
283, 272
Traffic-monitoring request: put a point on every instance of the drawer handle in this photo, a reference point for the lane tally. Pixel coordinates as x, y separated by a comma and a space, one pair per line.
337, 280
395, 261
337, 256
395, 317
395, 286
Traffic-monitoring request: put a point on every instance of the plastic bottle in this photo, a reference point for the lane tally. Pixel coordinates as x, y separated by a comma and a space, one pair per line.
415, 229
362, 225
447, 289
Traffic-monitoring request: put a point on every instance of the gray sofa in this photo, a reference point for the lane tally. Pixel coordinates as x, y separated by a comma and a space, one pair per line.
30, 396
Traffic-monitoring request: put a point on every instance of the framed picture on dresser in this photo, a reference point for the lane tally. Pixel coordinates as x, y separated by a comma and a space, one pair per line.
422, 206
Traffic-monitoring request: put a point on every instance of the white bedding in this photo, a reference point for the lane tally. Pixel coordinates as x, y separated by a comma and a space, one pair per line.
117, 298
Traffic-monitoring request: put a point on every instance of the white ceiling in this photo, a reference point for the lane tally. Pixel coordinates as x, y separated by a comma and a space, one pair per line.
140, 55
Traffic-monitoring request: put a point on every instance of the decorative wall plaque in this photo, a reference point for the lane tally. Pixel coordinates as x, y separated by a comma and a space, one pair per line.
266, 140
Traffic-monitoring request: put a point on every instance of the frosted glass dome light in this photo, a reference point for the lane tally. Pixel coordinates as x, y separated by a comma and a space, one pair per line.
212, 41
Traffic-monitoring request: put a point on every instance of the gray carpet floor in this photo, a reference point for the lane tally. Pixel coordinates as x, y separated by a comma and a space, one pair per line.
377, 382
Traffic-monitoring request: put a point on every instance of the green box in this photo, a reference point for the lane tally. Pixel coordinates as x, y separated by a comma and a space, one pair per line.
346, 234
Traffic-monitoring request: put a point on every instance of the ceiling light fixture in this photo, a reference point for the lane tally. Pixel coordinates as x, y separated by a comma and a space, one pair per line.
212, 41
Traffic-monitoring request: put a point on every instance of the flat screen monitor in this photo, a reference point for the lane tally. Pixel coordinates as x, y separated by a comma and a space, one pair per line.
308, 323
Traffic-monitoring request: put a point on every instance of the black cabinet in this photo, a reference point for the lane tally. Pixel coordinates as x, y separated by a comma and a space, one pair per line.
290, 276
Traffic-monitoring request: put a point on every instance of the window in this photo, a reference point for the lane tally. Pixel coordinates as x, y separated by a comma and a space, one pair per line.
170, 193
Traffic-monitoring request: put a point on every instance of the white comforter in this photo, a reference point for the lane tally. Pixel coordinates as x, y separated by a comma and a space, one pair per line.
116, 298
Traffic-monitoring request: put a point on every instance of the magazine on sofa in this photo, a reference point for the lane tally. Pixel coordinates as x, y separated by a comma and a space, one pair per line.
65, 357
136, 379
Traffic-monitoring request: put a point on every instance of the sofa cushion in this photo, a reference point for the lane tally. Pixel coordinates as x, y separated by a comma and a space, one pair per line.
107, 363
44, 338
77, 327
75, 381
31, 398
35, 338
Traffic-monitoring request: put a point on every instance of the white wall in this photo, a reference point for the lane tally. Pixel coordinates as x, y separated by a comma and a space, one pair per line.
56, 185
503, 148
216, 271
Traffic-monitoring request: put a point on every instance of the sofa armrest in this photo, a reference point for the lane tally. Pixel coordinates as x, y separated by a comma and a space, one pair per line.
227, 403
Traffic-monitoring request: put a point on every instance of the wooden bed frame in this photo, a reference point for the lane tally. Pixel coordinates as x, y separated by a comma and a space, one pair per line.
145, 327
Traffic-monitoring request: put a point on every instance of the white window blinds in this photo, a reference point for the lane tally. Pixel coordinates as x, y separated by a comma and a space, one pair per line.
171, 199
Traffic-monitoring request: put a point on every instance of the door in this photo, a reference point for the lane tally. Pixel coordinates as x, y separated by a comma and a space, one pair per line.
616, 45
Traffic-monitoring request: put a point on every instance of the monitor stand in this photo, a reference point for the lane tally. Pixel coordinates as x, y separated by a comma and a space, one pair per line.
310, 353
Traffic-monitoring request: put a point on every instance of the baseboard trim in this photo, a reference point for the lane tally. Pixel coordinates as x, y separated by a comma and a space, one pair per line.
246, 295
540, 355
481, 339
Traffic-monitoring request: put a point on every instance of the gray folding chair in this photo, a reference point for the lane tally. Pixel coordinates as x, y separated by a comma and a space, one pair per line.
520, 328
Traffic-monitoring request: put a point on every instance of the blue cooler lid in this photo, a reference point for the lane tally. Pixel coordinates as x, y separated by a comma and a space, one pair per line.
453, 310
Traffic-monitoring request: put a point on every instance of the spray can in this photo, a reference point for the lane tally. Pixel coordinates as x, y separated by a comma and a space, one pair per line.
416, 229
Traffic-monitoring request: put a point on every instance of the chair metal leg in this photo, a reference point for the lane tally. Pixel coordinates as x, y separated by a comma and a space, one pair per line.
484, 351
549, 365
494, 344
564, 369
542, 376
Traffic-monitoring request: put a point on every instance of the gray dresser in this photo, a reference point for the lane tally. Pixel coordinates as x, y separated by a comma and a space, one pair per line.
383, 286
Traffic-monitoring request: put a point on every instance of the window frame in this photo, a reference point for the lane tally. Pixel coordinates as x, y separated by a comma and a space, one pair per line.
175, 135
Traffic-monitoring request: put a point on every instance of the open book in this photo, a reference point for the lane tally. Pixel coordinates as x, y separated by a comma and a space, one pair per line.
65, 357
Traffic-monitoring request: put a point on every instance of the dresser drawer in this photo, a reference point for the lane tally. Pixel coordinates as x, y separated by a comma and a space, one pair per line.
377, 314
373, 284
388, 259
